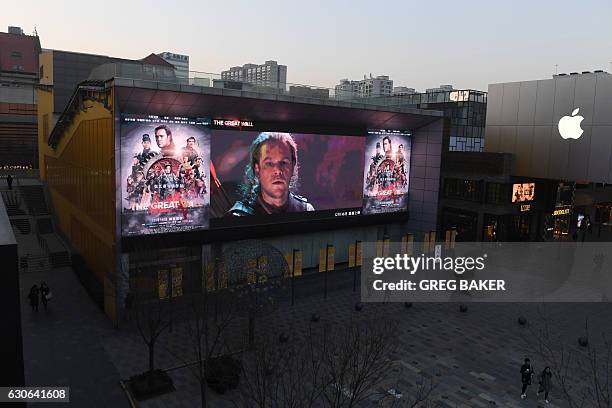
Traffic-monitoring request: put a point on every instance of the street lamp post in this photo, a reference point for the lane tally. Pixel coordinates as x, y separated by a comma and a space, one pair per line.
326, 269
293, 277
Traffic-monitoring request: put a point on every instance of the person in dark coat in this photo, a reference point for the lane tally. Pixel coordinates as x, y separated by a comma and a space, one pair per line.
9, 181
545, 383
44, 292
526, 374
33, 296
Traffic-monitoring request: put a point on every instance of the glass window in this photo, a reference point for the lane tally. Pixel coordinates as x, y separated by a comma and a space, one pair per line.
462, 189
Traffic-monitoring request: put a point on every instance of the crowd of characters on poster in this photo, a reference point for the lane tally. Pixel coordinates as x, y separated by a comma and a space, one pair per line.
168, 179
387, 177
271, 178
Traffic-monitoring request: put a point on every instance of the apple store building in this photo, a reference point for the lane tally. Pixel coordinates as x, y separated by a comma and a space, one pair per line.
560, 129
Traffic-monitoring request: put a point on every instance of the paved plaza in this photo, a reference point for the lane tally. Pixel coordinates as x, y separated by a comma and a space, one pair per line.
474, 356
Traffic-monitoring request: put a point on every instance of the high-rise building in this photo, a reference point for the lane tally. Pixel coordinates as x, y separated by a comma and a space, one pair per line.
18, 80
179, 61
269, 75
365, 88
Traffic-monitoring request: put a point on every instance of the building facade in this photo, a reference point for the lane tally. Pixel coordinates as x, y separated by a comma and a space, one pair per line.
18, 80
87, 157
180, 63
479, 199
465, 109
366, 88
269, 74
559, 129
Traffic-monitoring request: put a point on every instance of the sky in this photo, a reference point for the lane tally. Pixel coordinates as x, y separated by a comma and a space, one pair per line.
419, 44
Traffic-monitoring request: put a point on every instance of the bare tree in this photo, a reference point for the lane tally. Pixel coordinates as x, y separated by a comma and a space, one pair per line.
291, 374
358, 360
211, 316
331, 365
584, 375
152, 313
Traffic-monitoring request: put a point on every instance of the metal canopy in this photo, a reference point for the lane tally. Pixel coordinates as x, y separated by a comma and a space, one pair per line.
156, 98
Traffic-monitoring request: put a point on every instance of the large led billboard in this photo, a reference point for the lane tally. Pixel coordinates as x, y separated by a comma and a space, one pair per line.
279, 176
165, 167
522, 192
181, 174
387, 171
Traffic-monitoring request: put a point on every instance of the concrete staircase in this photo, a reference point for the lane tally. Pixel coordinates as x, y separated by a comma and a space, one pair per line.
40, 249
12, 201
21, 225
34, 198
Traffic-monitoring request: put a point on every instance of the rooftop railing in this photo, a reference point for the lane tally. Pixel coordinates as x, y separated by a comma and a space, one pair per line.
260, 83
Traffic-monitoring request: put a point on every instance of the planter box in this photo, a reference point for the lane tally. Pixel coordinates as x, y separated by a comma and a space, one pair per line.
144, 386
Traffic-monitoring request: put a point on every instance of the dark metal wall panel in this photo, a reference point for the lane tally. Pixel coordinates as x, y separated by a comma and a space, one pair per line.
544, 103
540, 152
526, 105
533, 135
600, 154
602, 112
496, 92
510, 103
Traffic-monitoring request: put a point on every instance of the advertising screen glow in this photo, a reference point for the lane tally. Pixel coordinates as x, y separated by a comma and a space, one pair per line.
522, 192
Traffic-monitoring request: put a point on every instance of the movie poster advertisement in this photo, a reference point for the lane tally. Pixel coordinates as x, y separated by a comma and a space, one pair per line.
165, 168
523, 192
386, 171
273, 176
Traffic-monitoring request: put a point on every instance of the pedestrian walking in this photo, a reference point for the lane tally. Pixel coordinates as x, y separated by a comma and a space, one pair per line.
9, 181
526, 374
45, 294
129, 301
545, 383
33, 296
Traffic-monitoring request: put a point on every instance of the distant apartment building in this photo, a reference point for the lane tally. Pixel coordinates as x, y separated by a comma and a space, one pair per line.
365, 88
179, 61
308, 92
403, 90
441, 88
18, 80
268, 75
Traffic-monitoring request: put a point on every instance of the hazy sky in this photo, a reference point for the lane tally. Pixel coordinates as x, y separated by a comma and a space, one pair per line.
420, 44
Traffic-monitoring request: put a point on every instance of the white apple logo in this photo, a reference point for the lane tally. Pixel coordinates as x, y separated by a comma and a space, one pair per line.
569, 126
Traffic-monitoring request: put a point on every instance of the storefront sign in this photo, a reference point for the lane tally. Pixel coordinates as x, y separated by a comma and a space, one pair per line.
525, 207
561, 211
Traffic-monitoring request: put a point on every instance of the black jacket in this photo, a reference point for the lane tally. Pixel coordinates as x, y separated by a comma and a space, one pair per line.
526, 373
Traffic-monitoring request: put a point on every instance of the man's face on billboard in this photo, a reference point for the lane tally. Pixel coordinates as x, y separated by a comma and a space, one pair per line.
162, 139
146, 144
386, 145
190, 143
274, 171
168, 169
